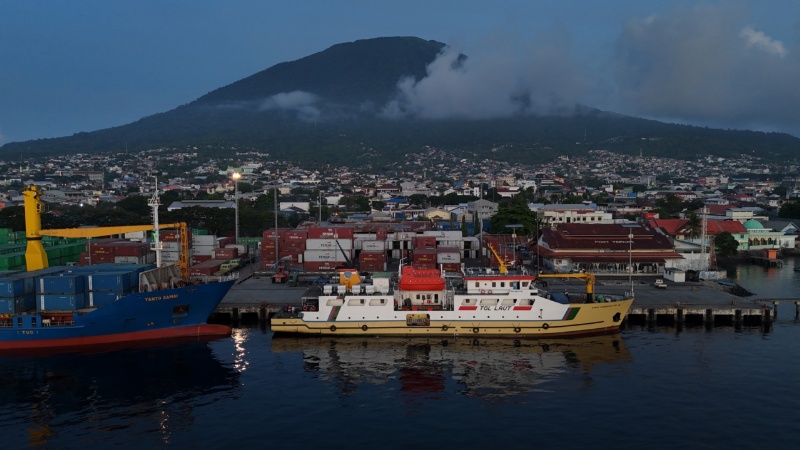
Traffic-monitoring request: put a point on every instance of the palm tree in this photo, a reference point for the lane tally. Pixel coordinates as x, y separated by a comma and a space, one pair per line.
693, 225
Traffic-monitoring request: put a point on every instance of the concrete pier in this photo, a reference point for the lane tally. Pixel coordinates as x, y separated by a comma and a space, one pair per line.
705, 303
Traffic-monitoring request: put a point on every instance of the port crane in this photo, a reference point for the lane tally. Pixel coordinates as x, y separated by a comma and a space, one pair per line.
36, 257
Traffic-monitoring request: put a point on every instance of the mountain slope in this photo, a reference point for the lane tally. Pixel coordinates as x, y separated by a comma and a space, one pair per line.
325, 108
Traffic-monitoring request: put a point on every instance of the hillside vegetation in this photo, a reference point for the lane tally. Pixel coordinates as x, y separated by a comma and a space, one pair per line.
344, 88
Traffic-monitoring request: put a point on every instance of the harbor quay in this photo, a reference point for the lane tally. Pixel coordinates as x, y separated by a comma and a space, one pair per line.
254, 299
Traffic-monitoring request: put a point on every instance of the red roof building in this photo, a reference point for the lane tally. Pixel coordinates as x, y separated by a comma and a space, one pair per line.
605, 248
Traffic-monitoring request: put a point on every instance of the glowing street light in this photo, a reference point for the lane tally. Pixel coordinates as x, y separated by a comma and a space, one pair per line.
236, 176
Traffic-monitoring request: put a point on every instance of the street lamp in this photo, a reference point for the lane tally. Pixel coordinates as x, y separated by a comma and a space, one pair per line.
236, 176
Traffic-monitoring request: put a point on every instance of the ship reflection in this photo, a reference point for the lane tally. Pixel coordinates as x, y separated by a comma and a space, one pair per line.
479, 367
94, 395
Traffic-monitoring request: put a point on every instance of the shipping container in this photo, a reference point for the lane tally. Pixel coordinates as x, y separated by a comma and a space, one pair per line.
18, 304
63, 283
372, 266
424, 242
451, 267
197, 259
320, 266
326, 255
295, 236
330, 233
373, 245
226, 253
272, 232
207, 240
206, 268
329, 244
15, 286
112, 281
61, 302
98, 299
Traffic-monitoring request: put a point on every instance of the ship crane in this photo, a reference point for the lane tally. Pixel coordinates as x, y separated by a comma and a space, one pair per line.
36, 257
587, 277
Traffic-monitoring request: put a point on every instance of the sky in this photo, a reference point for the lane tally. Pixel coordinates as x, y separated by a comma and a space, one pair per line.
85, 65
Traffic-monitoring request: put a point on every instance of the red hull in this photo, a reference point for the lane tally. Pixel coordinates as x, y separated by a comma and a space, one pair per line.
193, 331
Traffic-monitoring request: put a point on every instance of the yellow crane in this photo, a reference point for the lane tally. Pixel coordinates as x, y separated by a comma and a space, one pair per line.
503, 266
36, 257
585, 276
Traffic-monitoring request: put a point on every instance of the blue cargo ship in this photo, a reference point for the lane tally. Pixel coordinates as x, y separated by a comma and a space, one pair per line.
64, 307
36, 319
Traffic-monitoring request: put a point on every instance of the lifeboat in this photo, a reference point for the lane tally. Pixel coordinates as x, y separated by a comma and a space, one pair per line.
412, 279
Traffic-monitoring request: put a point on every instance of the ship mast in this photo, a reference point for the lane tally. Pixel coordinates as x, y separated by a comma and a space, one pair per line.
154, 203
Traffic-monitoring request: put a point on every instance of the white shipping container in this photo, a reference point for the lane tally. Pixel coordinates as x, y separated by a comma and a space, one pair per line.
450, 257
326, 255
136, 236
373, 246
205, 250
449, 235
170, 246
450, 243
204, 239
329, 244
130, 259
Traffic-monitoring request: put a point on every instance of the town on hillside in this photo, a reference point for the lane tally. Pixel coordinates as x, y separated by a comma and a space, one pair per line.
606, 213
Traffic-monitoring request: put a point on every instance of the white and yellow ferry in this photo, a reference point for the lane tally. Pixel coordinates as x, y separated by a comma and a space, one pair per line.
425, 303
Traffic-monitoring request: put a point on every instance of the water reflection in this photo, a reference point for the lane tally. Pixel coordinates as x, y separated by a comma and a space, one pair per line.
480, 367
68, 400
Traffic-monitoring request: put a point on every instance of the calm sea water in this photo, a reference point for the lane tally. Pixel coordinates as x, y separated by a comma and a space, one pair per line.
644, 388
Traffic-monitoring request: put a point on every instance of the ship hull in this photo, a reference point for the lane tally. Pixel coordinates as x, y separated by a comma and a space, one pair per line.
138, 317
578, 320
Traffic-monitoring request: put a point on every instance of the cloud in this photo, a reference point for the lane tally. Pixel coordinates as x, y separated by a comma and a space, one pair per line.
501, 79
304, 103
761, 41
704, 65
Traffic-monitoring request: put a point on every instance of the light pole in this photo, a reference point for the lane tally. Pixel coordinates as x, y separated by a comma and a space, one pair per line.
236, 176
630, 260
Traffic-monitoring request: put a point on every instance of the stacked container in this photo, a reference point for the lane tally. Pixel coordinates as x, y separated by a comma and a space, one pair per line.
17, 294
105, 288
61, 292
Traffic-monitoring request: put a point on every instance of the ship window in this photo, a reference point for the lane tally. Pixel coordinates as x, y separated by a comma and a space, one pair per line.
19, 322
355, 302
33, 321
494, 284
488, 301
524, 284
477, 284
502, 284
467, 301
335, 302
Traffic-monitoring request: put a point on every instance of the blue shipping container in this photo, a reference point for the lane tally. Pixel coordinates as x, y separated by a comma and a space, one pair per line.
61, 302
15, 305
98, 299
15, 286
111, 281
61, 284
